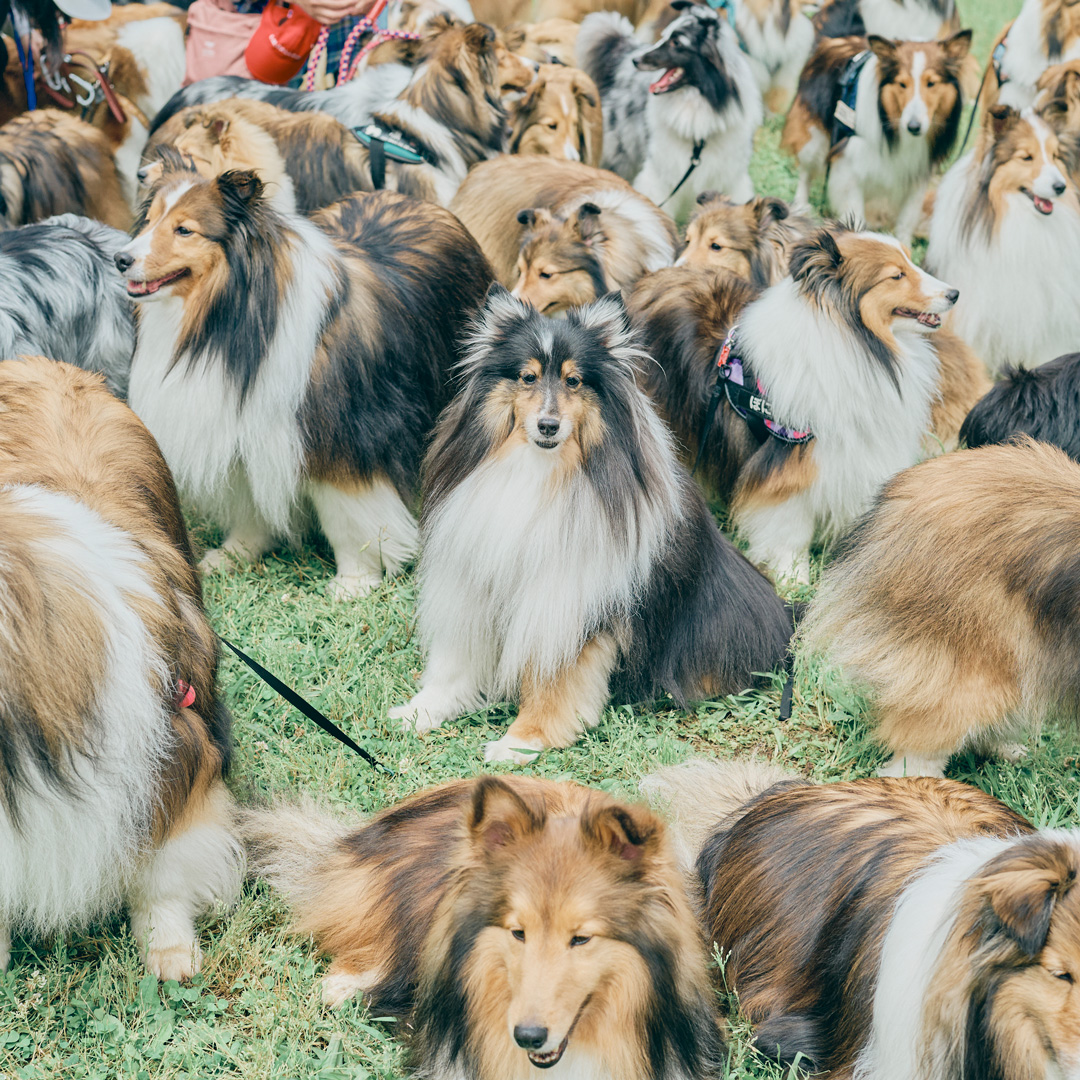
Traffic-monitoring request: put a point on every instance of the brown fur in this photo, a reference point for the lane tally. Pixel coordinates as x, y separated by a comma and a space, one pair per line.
1058, 103
502, 901
52, 163
549, 42
559, 116
957, 642
1060, 29
964, 380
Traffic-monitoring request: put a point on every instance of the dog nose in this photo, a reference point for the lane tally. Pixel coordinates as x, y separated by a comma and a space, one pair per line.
123, 261
548, 426
952, 295
1059, 187
143, 173
529, 1037
914, 127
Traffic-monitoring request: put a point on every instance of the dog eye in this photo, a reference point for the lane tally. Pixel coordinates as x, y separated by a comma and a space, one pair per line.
182, 230
528, 377
931, 82
898, 277
518, 935
1026, 157
572, 381
551, 124
546, 274
579, 939
716, 247
1063, 975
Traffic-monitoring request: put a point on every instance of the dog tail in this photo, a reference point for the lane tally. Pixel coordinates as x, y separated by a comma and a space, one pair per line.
603, 42
701, 797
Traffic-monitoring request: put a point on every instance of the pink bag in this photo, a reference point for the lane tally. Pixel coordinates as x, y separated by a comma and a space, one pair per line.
217, 38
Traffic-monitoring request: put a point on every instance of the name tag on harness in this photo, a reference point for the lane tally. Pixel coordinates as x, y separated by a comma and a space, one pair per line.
396, 146
845, 114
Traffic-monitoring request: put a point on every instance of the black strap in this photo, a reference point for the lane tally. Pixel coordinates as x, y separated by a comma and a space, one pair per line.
785, 697
695, 161
377, 161
974, 112
707, 422
309, 710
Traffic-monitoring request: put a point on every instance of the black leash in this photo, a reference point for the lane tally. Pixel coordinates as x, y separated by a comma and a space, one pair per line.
695, 161
309, 710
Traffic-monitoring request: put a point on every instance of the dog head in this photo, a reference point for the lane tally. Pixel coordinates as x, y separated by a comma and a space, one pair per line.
919, 95
1060, 27
690, 53
1058, 105
1022, 163
560, 265
559, 116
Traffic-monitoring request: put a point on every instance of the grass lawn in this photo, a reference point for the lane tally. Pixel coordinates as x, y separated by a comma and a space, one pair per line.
82, 1007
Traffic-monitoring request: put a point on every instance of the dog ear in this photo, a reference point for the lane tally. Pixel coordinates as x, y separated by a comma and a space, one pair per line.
883, 48
216, 126
589, 225
498, 815
1021, 888
958, 45
241, 189
630, 833
1001, 119
479, 37
709, 196
816, 255
771, 209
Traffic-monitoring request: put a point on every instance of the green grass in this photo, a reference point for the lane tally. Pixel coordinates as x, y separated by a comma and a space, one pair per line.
81, 1007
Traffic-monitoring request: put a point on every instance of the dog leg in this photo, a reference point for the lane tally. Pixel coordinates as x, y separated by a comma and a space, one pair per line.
448, 689
200, 864
249, 539
369, 529
552, 712
339, 984
910, 214
904, 764
779, 535
5, 947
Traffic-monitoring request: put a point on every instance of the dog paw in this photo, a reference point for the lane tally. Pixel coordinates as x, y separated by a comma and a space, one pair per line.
339, 986
353, 586
5, 948
213, 559
514, 749
177, 962
1011, 752
901, 765
416, 718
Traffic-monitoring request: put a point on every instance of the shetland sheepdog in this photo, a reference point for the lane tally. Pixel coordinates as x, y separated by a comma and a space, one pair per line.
637, 236
955, 604
704, 106
1045, 32
911, 20
1043, 403
889, 929
753, 240
1058, 104
52, 163
551, 41
559, 116
856, 395
904, 122
111, 788
62, 298
516, 923
284, 363
1006, 230
777, 36
566, 554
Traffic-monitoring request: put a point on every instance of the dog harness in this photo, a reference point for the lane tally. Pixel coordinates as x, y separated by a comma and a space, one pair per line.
747, 397
386, 144
844, 113
997, 58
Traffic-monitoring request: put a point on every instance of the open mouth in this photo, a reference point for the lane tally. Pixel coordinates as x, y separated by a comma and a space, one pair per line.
1044, 206
146, 288
546, 444
926, 318
671, 79
545, 1061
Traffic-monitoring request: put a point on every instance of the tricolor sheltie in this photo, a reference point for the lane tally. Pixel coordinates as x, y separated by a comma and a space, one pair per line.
704, 105
112, 737
902, 125
955, 603
517, 924
753, 240
888, 929
285, 364
848, 352
1043, 402
1006, 231
566, 554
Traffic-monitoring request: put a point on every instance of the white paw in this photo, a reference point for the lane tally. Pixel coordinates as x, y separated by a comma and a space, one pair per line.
1011, 752
901, 765
353, 586
796, 572
512, 748
214, 558
5, 949
416, 718
339, 986
174, 961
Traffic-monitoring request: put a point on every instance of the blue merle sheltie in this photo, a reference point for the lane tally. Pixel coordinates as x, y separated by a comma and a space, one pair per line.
288, 365
690, 97
566, 553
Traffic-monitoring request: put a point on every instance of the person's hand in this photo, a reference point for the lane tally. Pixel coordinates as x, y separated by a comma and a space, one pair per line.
331, 11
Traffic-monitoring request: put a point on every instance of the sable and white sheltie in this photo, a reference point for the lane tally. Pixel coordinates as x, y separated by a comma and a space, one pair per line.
1045, 32
517, 924
1043, 403
908, 103
559, 116
112, 738
566, 553
284, 363
842, 349
1058, 103
956, 604
1006, 231
634, 236
706, 99
777, 36
753, 240
888, 929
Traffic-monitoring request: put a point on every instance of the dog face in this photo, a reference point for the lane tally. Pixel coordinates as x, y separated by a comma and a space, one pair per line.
559, 117
560, 264
514, 73
1060, 27
689, 55
739, 237
213, 142
919, 95
1025, 162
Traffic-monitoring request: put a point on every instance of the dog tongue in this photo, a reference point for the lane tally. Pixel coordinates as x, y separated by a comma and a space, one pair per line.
665, 80
1044, 206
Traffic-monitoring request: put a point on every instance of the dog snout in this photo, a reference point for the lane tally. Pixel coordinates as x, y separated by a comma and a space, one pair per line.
952, 295
530, 1036
143, 174
124, 261
548, 426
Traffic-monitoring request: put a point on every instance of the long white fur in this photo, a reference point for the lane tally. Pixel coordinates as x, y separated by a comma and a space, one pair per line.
519, 566
776, 58
158, 47
1018, 297
1025, 57
902, 20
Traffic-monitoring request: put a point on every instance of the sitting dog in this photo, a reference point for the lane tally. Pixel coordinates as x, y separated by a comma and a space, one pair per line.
566, 554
